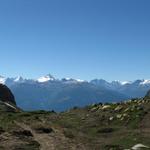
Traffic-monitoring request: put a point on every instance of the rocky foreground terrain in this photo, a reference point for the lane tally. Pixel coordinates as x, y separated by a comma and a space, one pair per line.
98, 127
112, 126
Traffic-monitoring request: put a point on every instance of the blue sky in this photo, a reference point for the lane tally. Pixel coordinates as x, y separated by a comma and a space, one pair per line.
85, 39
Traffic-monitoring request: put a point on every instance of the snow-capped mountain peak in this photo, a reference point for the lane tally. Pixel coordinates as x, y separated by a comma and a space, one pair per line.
2, 80
18, 79
121, 82
144, 82
46, 78
100, 82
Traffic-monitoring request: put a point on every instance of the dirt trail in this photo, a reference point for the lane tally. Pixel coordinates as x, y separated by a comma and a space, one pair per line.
52, 141
145, 125
46, 141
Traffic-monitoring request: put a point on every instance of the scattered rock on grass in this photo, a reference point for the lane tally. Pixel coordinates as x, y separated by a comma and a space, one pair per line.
106, 107
118, 108
139, 146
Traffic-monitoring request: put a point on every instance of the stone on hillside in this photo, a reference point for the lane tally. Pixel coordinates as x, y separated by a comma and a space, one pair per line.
133, 108
111, 118
119, 108
139, 101
94, 109
140, 108
125, 115
119, 116
106, 107
139, 146
130, 101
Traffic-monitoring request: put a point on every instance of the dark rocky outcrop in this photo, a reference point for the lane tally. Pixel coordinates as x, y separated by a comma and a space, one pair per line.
7, 100
6, 95
44, 130
23, 133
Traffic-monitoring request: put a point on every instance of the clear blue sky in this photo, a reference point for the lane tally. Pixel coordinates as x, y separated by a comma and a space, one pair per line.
84, 39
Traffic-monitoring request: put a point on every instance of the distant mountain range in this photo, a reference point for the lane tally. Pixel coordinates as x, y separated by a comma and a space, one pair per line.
134, 89
49, 93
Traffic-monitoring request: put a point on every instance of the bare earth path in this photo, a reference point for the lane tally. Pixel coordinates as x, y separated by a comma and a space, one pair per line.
44, 140
145, 125
52, 141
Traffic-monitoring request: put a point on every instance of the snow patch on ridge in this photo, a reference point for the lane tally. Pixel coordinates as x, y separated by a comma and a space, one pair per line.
2, 80
70, 80
79, 80
145, 82
18, 79
46, 78
125, 82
